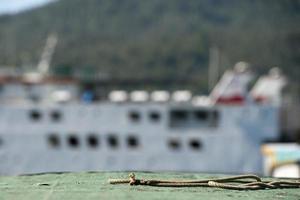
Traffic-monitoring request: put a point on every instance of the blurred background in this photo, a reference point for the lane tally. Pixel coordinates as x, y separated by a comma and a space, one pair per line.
155, 39
170, 45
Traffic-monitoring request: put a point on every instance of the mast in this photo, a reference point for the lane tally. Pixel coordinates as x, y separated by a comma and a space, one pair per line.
213, 68
44, 64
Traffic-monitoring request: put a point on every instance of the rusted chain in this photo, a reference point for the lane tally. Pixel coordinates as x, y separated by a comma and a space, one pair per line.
242, 182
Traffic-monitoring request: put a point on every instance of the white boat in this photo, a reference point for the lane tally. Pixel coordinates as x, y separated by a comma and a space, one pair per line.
44, 127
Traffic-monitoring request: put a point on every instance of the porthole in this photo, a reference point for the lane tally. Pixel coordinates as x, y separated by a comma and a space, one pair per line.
154, 116
134, 116
174, 144
113, 141
132, 142
73, 141
53, 141
35, 115
195, 144
93, 141
56, 116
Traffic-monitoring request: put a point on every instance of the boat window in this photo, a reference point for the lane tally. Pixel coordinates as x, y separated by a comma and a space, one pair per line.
56, 116
1, 142
113, 141
201, 115
93, 141
53, 140
174, 144
195, 144
179, 114
35, 115
179, 118
194, 118
73, 141
134, 116
154, 116
132, 141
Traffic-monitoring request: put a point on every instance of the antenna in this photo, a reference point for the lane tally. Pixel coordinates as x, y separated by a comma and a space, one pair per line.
44, 64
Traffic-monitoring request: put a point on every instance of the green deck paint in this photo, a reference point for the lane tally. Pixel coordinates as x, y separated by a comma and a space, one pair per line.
94, 185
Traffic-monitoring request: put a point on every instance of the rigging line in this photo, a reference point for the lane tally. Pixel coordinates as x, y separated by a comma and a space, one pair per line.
241, 182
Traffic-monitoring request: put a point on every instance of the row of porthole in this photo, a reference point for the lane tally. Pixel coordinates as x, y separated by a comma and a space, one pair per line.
56, 116
92, 141
176, 144
36, 115
136, 116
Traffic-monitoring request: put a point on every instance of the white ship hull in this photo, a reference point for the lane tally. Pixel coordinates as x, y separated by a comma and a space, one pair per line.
132, 136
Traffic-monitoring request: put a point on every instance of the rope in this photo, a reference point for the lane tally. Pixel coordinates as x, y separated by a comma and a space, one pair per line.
242, 182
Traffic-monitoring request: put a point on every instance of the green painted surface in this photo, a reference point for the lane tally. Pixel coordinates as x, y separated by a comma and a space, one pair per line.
95, 186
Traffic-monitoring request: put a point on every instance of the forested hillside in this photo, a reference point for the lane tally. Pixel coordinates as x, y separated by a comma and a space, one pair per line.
157, 38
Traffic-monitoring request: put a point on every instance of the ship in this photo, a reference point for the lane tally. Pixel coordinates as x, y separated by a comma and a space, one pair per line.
48, 124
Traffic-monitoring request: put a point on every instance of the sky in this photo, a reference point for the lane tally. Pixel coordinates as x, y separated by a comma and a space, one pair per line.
14, 6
